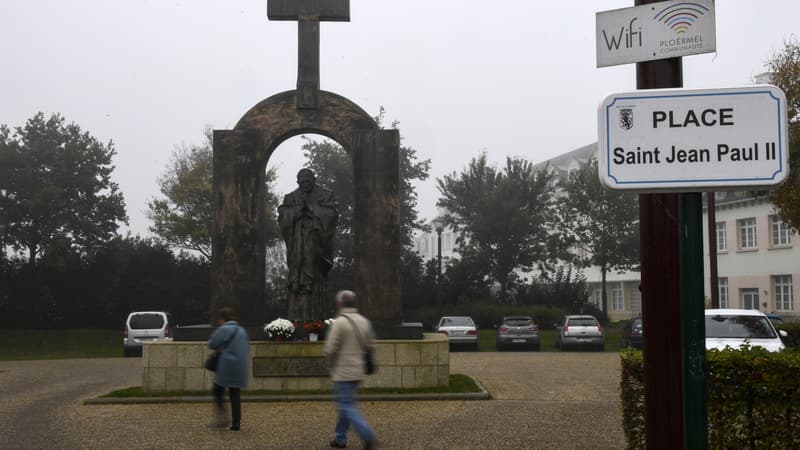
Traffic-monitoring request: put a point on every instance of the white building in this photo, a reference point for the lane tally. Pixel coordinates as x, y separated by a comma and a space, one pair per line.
758, 256
426, 244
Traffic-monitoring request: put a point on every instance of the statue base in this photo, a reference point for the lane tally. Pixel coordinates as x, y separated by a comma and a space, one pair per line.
296, 366
401, 331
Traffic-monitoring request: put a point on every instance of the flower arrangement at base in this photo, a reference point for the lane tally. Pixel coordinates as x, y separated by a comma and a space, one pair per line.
314, 326
279, 330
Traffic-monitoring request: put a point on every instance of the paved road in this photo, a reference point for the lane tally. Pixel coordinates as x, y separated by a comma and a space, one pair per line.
541, 400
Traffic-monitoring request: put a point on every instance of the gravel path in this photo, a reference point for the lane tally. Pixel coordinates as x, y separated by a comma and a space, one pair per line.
541, 400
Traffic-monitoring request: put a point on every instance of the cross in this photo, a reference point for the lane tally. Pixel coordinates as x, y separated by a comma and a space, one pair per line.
308, 14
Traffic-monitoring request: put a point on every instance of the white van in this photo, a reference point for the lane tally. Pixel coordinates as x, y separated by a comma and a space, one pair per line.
143, 326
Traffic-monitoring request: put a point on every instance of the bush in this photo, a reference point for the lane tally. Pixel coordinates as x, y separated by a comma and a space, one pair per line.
753, 398
631, 387
793, 339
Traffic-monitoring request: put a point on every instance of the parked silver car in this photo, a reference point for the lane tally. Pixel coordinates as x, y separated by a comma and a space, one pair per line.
580, 331
460, 330
518, 331
143, 326
736, 327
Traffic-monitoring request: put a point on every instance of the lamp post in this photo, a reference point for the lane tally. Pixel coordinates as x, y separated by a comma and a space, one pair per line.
438, 225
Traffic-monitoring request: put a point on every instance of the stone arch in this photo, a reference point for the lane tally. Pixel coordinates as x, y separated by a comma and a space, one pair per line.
240, 158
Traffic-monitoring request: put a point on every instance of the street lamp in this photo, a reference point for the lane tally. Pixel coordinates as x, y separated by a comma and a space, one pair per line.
438, 225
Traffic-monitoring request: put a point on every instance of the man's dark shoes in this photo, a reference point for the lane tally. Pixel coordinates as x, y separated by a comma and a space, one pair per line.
234, 428
370, 445
337, 444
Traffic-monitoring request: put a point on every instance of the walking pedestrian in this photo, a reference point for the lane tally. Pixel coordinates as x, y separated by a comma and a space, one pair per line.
350, 335
230, 341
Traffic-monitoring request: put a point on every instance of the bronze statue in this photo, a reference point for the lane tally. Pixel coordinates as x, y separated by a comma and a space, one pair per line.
308, 218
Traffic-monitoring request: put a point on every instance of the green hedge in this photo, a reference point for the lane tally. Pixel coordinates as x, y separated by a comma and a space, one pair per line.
753, 398
793, 329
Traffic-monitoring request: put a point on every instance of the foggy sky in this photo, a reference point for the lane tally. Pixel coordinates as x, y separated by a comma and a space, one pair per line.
510, 77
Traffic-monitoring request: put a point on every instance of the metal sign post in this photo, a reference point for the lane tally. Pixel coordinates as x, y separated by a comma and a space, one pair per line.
659, 143
693, 348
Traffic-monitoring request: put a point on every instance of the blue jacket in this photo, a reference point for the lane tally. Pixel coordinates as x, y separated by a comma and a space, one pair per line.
234, 362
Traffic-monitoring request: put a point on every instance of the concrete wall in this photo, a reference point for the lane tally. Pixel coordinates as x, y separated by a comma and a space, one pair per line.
178, 366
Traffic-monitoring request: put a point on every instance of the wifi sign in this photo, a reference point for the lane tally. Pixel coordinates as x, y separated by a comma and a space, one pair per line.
661, 30
681, 16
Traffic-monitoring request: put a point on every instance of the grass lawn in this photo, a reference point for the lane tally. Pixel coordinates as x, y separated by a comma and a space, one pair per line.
24, 344
459, 384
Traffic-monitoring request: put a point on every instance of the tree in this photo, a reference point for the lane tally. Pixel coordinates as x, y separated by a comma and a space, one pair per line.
184, 217
785, 68
334, 169
504, 217
602, 225
55, 184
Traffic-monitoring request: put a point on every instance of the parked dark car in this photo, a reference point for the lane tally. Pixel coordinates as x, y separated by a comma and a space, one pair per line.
518, 331
633, 334
775, 319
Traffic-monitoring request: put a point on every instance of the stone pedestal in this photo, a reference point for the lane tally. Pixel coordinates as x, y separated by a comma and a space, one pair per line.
178, 366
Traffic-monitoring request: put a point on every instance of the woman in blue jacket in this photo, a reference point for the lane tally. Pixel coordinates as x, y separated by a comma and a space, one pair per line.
230, 340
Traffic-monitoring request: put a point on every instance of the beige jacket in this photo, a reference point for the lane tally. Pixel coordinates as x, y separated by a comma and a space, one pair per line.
343, 350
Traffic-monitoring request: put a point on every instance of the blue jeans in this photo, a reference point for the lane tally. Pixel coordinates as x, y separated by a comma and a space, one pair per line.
348, 413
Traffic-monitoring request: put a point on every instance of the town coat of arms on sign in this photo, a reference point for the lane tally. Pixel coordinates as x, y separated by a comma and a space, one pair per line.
626, 118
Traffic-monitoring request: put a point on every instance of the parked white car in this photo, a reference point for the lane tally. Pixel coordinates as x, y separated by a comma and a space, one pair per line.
735, 327
460, 330
143, 326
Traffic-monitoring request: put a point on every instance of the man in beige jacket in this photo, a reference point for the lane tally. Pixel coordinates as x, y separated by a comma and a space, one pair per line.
349, 336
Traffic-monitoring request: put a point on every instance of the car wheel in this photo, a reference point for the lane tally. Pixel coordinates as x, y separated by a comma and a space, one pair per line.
499, 347
601, 348
537, 347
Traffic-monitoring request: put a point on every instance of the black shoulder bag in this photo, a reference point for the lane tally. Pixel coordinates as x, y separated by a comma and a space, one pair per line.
213, 359
369, 361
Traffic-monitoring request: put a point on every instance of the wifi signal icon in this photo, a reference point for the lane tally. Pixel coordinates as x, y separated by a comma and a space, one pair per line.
681, 16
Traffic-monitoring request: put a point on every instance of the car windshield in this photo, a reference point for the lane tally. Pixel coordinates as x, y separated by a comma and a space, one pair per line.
147, 321
637, 324
581, 323
457, 322
756, 327
518, 321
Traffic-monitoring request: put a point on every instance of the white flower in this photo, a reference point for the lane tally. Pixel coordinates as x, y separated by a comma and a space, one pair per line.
279, 327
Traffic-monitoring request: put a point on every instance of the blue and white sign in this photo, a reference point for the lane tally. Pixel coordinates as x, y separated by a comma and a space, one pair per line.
693, 140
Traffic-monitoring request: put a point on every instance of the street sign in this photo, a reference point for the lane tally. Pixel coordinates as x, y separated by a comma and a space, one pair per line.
655, 31
677, 140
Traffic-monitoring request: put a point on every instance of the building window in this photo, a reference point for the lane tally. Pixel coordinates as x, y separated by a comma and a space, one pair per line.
749, 298
598, 297
723, 293
780, 232
617, 300
782, 287
722, 237
747, 233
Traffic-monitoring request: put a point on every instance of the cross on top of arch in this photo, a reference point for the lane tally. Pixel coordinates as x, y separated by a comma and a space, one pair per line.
308, 14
